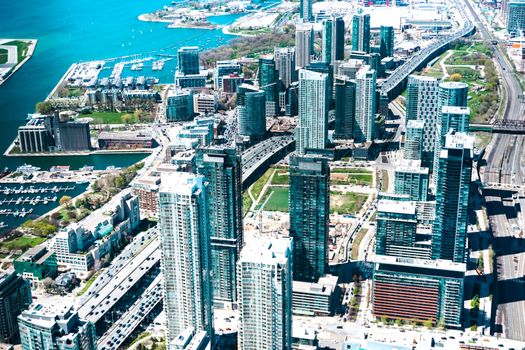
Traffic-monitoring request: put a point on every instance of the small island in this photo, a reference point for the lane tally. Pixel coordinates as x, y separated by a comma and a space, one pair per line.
13, 54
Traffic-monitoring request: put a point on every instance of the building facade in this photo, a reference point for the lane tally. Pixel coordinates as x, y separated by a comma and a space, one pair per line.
333, 43
345, 97
285, 64
304, 45
412, 180
305, 10
361, 33
366, 105
15, 296
184, 237
179, 105
268, 82
251, 111
386, 44
188, 60
265, 294
413, 149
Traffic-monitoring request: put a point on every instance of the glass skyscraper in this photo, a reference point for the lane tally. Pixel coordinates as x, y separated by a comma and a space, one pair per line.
361, 33
188, 60
304, 45
251, 111
15, 296
185, 245
314, 99
309, 216
345, 96
386, 44
305, 10
221, 168
333, 43
412, 180
365, 106
265, 294
413, 149
452, 198
285, 64
268, 79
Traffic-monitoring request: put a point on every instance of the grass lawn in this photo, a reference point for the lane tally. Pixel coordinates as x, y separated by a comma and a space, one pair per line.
3, 56
278, 200
107, 117
346, 203
23, 243
350, 170
281, 177
384, 185
89, 283
357, 241
259, 184
246, 202
22, 48
351, 176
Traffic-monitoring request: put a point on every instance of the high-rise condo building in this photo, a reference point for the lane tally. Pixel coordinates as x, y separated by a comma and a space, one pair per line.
185, 246
345, 96
422, 104
265, 294
55, 327
314, 99
514, 16
452, 197
309, 216
305, 10
188, 60
333, 43
251, 111
304, 45
15, 297
413, 149
225, 68
268, 79
411, 179
450, 118
361, 33
386, 44
221, 168
365, 106
452, 93
285, 64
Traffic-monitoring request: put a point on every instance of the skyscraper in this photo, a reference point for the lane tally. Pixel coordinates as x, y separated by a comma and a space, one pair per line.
305, 10
365, 106
265, 294
55, 327
514, 16
414, 140
345, 96
361, 33
333, 44
221, 168
312, 126
386, 44
422, 104
450, 118
452, 93
268, 78
251, 111
411, 179
309, 216
188, 60
15, 296
304, 45
285, 64
225, 68
452, 198
185, 245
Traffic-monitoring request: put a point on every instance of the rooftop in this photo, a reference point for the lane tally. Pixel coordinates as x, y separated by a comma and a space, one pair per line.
455, 110
267, 250
398, 207
447, 265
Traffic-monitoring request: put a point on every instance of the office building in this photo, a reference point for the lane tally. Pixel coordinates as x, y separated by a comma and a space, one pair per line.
396, 232
179, 105
361, 33
265, 294
251, 111
55, 327
411, 179
413, 149
309, 216
514, 16
205, 103
450, 118
365, 106
305, 10
319, 298
386, 44
452, 198
418, 290
345, 97
133, 139
188, 60
333, 42
221, 168
185, 246
231, 82
304, 45
225, 68
314, 99
36, 264
15, 296
285, 64
268, 80
422, 104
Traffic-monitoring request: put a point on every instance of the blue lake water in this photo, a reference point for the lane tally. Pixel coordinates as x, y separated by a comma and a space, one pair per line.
72, 31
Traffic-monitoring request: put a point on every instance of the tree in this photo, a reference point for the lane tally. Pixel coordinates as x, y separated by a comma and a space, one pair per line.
474, 302
65, 201
456, 77
481, 264
126, 118
44, 107
428, 323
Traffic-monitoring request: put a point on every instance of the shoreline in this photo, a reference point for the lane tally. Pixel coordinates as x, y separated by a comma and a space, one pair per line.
82, 153
29, 54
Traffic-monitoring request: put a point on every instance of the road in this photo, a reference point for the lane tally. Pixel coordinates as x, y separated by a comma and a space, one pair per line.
505, 164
